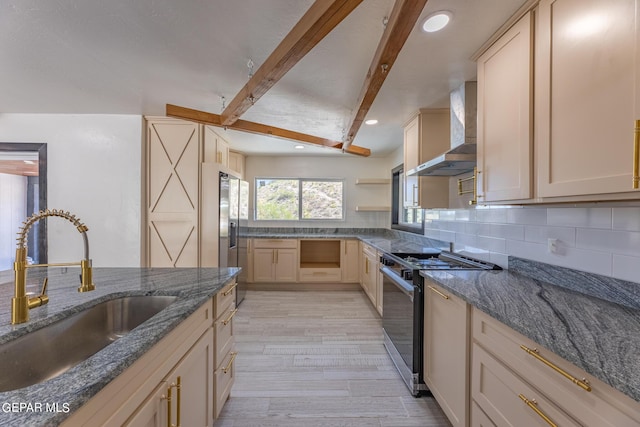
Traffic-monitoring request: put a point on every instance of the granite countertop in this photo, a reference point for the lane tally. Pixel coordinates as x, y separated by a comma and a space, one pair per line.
72, 389
589, 320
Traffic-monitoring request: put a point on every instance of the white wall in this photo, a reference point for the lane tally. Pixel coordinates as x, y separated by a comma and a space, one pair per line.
94, 171
602, 240
346, 167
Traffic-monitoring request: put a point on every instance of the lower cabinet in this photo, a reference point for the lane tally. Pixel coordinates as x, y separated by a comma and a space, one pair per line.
517, 382
370, 279
275, 260
184, 379
446, 351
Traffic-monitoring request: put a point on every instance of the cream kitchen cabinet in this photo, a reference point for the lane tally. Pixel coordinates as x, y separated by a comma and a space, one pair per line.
446, 351
349, 261
505, 122
275, 260
138, 396
426, 135
379, 287
224, 346
320, 260
587, 65
216, 147
236, 163
173, 156
517, 382
369, 274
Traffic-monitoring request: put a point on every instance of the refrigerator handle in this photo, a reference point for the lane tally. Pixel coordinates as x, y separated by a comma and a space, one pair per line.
233, 235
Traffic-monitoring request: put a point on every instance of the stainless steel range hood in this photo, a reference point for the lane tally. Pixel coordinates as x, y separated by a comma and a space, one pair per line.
461, 157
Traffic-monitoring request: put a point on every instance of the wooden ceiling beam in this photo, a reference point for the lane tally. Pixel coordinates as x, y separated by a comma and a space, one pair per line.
403, 18
322, 17
260, 129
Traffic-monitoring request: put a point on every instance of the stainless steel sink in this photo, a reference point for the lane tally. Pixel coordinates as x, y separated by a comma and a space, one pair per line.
52, 350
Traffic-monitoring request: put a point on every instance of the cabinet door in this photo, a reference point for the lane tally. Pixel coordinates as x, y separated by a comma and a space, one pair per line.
286, 266
504, 116
153, 412
411, 159
216, 148
263, 265
236, 163
379, 280
446, 361
194, 399
349, 261
586, 67
370, 289
173, 159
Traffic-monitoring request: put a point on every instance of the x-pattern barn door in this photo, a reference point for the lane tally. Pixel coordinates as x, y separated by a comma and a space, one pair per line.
173, 156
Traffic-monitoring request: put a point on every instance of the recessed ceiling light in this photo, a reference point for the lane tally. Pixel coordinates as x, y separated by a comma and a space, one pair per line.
299, 147
371, 122
436, 21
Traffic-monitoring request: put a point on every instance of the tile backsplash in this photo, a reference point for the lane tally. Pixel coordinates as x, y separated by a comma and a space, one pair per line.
602, 240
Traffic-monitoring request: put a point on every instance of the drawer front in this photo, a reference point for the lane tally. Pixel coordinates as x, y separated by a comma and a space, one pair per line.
224, 335
603, 406
223, 377
223, 299
275, 243
320, 274
369, 250
479, 418
509, 401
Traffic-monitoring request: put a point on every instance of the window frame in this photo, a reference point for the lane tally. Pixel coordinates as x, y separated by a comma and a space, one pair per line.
300, 199
398, 211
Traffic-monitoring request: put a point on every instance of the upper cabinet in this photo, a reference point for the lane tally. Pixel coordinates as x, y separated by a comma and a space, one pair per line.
562, 83
216, 148
505, 116
426, 135
236, 163
586, 78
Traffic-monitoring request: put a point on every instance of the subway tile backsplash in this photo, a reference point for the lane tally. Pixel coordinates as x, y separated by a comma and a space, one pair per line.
601, 240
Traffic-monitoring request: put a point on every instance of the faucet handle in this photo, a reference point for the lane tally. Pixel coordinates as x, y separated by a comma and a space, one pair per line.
41, 299
44, 286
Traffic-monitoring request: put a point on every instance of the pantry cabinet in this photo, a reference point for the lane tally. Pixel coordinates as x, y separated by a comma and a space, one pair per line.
586, 96
426, 135
505, 122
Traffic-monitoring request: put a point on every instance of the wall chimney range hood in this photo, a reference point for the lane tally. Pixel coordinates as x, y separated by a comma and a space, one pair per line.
461, 157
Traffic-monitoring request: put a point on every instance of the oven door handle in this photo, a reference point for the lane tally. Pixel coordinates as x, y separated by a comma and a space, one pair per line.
404, 287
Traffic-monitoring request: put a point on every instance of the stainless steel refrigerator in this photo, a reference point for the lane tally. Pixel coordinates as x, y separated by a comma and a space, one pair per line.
234, 217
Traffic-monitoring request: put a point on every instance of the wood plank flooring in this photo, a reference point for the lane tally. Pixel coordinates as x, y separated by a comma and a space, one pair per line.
316, 358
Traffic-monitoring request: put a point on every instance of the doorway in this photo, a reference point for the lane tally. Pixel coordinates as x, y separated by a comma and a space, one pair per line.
23, 191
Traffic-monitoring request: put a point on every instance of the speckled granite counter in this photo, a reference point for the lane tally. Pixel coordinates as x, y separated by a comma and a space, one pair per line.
73, 388
592, 321
384, 240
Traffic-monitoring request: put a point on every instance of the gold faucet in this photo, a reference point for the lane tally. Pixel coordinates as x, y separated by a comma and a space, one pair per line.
21, 303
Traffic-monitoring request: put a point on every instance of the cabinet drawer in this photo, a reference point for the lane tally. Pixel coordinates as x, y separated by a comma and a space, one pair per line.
369, 250
223, 299
501, 395
223, 335
223, 378
602, 406
275, 243
320, 274
479, 418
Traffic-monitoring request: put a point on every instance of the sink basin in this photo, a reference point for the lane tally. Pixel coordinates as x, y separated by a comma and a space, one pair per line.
52, 350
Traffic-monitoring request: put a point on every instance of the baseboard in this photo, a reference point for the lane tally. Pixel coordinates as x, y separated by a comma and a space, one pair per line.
303, 286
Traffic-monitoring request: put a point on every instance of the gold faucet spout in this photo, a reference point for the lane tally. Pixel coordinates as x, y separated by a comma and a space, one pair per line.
21, 303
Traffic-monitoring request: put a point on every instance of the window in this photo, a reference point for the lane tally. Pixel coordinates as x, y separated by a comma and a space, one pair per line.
299, 199
407, 219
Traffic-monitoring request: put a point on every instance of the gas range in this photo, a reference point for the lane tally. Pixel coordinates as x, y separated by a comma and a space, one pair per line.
443, 261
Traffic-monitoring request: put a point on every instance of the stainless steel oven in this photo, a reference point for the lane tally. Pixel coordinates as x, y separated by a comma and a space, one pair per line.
403, 307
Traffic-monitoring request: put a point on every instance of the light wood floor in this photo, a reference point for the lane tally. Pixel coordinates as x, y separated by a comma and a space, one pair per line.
316, 358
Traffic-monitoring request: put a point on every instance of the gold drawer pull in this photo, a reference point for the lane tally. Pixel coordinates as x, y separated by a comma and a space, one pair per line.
233, 357
228, 291
438, 292
228, 319
178, 388
584, 384
636, 156
534, 405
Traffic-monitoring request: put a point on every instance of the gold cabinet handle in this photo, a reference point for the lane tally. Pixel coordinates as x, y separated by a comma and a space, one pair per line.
228, 319
219, 154
366, 265
534, 405
169, 392
445, 296
584, 384
228, 291
277, 256
233, 357
636, 156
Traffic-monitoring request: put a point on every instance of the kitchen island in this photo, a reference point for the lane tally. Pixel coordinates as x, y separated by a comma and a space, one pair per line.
63, 395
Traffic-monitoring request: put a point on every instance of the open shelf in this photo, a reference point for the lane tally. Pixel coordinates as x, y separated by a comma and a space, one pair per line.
321, 253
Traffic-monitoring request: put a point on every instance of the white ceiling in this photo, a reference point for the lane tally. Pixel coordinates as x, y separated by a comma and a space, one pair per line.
133, 57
